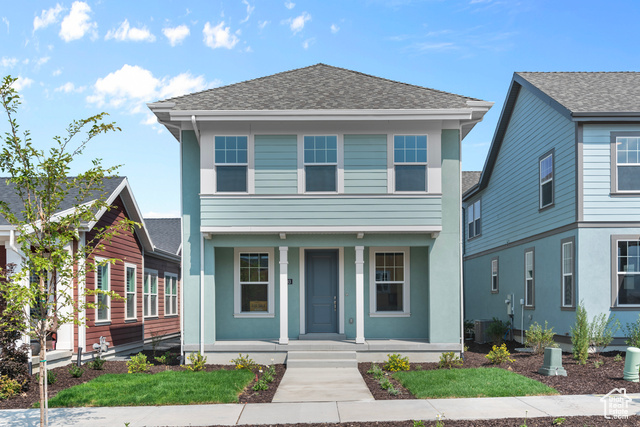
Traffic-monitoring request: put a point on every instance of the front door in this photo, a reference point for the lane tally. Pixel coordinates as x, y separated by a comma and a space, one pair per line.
321, 278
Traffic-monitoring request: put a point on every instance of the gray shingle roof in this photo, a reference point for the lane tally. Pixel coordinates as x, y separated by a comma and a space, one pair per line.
590, 92
7, 194
165, 233
469, 179
319, 87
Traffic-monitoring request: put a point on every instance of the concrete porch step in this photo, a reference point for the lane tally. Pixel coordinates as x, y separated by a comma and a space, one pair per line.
321, 359
319, 336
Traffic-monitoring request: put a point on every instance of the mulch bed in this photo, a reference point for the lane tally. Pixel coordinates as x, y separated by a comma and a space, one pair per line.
580, 379
65, 380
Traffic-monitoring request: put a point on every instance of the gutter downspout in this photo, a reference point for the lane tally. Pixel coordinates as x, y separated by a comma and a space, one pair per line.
461, 245
201, 293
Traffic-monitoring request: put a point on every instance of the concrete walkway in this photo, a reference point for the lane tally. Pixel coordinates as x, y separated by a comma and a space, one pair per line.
321, 412
322, 385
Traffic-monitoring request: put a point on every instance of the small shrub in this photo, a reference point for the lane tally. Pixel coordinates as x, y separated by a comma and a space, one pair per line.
393, 391
418, 368
496, 330
601, 331
598, 363
385, 384
269, 374
617, 358
8, 387
138, 364
166, 359
52, 377
580, 335
449, 360
96, 364
632, 331
396, 363
14, 359
559, 421
245, 362
418, 423
75, 371
261, 384
538, 338
376, 371
197, 362
499, 355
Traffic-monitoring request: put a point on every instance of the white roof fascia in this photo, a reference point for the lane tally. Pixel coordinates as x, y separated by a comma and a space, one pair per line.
322, 229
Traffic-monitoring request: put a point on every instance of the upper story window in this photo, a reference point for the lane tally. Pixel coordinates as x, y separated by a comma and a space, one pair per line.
627, 273
321, 163
474, 221
546, 180
231, 164
410, 162
627, 167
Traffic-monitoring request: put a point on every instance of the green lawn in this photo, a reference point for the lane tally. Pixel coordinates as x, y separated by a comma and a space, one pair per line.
164, 388
472, 382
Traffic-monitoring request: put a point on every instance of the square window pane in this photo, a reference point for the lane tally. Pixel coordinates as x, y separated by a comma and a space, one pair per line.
309, 156
254, 275
244, 274
421, 142
332, 142
389, 260
411, 178
629, 178
231, 143
242, 156
320, 178
320, 143
382, 275
421, 155
632, 144
221, 156
629, 289
231, 156
379, 260
389, 297
398, 156
399, 274
254, 260
410, 156
321, 156
410, 142
220, 143
398, 142
264, 275
399, 260
632, 157
622, 156
254, 298
131, 306
547, 193
242, 142
332, 156
308, 143
231, 179
264, 260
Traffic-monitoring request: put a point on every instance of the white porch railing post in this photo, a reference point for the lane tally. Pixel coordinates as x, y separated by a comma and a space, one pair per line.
359, 294
284, 296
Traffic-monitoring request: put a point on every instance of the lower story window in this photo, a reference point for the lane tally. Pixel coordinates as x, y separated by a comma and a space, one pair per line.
494, 275
390, 281
103, 300
150, 299
254, 282
628, 272
567, 274
529, 279
170, 295
131, 292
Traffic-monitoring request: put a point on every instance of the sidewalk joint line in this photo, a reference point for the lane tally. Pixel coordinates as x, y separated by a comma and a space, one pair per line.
244, 405
529, 404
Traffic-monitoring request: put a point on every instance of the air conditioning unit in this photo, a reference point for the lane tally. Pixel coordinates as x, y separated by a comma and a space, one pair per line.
481, 330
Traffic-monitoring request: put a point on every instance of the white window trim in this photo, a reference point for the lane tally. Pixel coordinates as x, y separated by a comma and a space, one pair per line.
406, 297
135, 291
174, 277
249, 164
471, 209
108, 319
392, 163
616, 273
302, 175
496, 275
615, 164
550, 180
565, 274
530, 304
237, 289
148, 271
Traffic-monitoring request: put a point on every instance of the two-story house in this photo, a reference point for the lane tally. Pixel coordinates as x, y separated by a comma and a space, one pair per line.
321, 204
555, 216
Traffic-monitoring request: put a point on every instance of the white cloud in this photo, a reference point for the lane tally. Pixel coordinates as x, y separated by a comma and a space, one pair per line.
289, 5
435, 46
6, 21
297, 24
177, 34
43, 60
70, 87
334, 28
308, 42
77, 23
149, 120
262, 24
25, 61
219, 36
57, 72
127, 33
182, 84
8, 62
22, 82
250, 10
47, 17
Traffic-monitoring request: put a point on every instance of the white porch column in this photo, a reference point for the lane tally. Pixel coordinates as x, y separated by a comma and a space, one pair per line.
15, 258
359, 294
284, 296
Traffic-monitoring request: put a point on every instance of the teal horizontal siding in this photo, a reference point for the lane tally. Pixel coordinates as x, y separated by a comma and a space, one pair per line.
276, 164
309, 211
596, 151
510, 203
365, 164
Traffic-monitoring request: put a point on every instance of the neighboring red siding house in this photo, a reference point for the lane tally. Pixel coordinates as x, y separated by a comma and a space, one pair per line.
147, 274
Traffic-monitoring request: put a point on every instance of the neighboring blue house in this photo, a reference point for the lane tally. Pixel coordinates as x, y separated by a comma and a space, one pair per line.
321, 204
555, 216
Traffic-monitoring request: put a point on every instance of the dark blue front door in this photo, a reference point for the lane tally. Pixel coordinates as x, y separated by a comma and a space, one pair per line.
321, 271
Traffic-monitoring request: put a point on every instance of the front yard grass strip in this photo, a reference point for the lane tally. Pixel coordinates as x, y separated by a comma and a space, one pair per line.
471, 382
163, 388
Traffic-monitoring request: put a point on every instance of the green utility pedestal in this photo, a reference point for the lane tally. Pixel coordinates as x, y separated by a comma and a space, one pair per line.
631, 364
552, 363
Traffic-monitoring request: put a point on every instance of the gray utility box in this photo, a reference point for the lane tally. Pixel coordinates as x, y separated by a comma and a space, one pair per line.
481, 330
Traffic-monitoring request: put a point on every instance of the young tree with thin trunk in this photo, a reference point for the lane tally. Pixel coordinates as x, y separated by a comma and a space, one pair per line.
41, 290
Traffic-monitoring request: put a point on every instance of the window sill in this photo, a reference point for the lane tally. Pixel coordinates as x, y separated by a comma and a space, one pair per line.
546, 207
253, 316
626, 307
497, 291
102, 323
567, 308
625, 194
131, 320
390, 314
151, 317
169, 316
474, 237
529, 307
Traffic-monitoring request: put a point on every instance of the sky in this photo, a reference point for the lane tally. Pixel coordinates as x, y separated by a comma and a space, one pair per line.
78, 58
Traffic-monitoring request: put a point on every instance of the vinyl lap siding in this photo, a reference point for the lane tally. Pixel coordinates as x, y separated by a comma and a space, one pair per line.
276, 164
598, 203
313, 211
365, 164
511, 200
162, 325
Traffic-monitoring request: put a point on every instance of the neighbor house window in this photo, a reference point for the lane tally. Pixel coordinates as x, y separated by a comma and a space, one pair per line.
320, 163
628, 272
130, 277
150, 298
529, 279
103, 311
627, 163
546, 180
494, 275
254, 282
474, 222
568, 288
389, 293
231, 164
170, 295
410, 162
